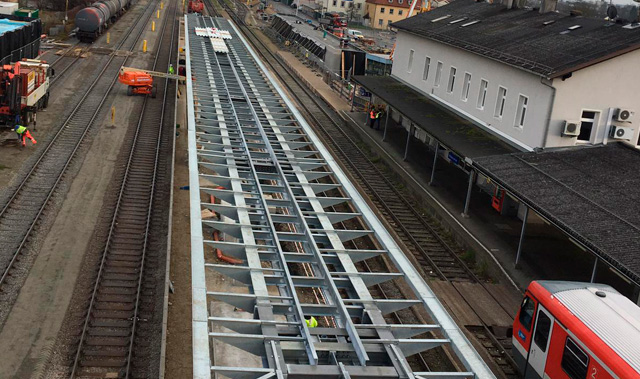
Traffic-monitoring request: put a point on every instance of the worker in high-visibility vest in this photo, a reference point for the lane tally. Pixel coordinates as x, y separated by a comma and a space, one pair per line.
23, 134
171, 69
372, 116
311, 322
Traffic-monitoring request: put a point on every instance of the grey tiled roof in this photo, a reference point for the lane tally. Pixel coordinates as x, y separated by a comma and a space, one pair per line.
520, 38
591, 193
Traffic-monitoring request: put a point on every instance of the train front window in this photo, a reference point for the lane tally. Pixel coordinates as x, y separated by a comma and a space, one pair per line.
574, 360
543, 327
526, 312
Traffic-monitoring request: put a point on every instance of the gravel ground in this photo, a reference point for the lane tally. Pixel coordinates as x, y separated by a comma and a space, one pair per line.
178, 362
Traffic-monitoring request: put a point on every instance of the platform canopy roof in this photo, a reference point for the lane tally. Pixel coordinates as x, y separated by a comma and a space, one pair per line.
457, 134
590, 193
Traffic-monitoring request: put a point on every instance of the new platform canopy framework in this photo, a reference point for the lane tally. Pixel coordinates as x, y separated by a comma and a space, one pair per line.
266, 193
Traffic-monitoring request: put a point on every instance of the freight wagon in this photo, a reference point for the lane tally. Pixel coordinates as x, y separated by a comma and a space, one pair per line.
94, 19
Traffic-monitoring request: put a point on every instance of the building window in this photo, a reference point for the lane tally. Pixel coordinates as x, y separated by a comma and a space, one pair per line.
391, 11
342, 4
427, 63
521, 113
381, 11
574, 360
335, 3
410, 63
500, 102
358, 6
388, 22
452, 79
465, 86
400, 10
482, 95
438, 74
400, 1
587, 125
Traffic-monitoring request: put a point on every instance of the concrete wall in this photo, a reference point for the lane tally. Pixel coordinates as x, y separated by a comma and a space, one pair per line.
496, 74
611, 84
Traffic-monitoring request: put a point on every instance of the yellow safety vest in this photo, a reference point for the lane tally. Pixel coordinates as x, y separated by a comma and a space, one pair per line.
312, 322
21, 129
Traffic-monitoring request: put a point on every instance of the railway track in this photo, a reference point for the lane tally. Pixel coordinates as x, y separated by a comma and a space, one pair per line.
20, 214
124, 290
422, 237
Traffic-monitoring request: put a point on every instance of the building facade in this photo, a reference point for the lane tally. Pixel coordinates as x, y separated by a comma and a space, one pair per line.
382, 13
529, 106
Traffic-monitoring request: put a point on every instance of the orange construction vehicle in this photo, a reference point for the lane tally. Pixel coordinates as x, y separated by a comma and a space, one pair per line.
140, 81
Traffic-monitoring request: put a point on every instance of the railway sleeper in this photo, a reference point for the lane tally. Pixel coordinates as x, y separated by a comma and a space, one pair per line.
109, 332
107, 341
114, 351
108, 306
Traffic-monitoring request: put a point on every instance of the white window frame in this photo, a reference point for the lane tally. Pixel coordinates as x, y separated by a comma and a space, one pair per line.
594, 127
466, 85
400, 10
436, 83
451, 84
380, 21
381, 10
501, 102
390, 10
427, 67
410, 62
482, 93
521, 111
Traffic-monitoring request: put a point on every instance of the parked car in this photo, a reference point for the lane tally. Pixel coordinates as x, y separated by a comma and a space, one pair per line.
355, 34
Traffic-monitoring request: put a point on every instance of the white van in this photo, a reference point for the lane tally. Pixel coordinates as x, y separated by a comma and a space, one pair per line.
354, 34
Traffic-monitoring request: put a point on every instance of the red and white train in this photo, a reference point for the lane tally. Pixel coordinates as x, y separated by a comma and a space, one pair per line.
578, 331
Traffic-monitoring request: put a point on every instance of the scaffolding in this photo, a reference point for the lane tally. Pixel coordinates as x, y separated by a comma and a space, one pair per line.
281, 204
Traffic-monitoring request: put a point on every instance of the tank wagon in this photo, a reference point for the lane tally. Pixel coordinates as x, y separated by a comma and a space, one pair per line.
94, 19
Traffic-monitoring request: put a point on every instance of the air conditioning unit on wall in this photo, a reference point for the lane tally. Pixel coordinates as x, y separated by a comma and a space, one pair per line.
571, 128
619, 132
624, 115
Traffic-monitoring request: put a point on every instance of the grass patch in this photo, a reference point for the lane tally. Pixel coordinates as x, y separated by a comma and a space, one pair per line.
469, 257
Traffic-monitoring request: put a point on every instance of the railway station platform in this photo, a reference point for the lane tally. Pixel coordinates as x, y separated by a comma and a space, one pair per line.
274, 214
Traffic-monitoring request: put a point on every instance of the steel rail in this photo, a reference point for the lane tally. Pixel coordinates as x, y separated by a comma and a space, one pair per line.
50, 145
118, 207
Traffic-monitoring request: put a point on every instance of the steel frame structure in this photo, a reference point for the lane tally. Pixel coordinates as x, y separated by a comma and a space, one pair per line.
278, 209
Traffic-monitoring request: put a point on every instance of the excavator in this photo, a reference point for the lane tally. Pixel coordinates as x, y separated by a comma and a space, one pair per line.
140, 81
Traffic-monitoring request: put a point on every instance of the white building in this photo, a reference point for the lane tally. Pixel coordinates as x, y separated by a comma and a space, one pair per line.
524, 75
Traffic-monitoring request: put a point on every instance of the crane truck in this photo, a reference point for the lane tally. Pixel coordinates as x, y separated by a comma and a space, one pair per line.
24, 89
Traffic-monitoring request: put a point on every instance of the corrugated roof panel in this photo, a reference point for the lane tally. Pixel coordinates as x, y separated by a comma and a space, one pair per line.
614, 319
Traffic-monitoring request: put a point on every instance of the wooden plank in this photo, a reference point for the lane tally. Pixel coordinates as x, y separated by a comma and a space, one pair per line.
486, 306
455, 304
